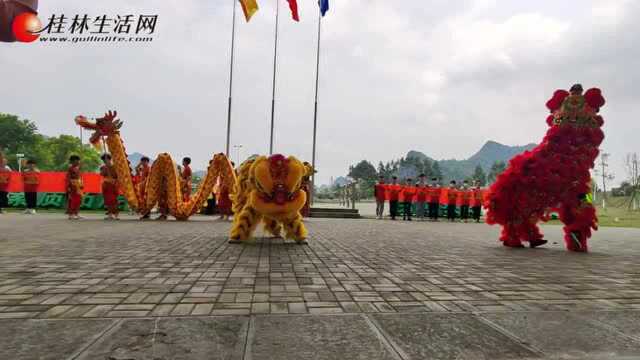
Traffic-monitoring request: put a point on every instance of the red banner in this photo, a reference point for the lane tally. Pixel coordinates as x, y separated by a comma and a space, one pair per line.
56, 182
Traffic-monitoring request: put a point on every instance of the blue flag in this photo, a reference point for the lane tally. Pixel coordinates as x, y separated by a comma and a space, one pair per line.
324, 6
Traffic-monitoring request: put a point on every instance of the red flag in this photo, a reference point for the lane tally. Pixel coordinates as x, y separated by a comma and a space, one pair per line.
293, 4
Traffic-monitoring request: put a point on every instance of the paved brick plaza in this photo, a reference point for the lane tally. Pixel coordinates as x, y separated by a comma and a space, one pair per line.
51, 268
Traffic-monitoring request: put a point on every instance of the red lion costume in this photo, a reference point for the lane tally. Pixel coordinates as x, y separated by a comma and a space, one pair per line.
554, 176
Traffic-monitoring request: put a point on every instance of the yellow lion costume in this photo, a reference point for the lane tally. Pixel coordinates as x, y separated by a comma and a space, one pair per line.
269, 189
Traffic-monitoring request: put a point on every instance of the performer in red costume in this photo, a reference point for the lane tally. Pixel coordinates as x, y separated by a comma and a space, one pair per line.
74, 188
185, 179
554, 176
109, 187
224, 202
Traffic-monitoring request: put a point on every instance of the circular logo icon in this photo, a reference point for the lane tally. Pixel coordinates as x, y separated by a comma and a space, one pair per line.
25, 27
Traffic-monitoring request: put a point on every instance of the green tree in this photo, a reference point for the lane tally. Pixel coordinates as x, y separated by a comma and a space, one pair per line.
364, 170
480, 176
62, 147
496, 169
51, 153
16, 136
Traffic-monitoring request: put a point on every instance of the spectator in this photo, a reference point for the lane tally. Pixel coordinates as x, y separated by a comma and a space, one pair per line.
421, 197
408, 193
379, 192
5, 177
394, 195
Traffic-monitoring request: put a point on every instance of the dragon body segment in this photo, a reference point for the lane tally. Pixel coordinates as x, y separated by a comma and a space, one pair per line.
163, 183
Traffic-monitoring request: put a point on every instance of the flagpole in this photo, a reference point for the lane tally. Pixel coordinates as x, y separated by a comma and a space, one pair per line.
315, 110
233, 38
275, 68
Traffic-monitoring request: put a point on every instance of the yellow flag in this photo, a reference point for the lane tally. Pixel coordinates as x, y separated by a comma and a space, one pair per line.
249, 7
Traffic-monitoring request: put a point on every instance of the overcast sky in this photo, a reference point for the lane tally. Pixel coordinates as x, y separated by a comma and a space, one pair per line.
438, 76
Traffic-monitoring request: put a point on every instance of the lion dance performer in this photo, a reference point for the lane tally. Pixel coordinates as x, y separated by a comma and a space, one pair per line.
554, 176
269, 190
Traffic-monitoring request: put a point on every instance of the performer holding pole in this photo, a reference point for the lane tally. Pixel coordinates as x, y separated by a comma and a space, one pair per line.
109, 187
185, 179
142, 174
74, 188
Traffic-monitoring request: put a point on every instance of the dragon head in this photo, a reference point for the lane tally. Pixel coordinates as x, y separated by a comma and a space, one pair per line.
105, 126
278, 181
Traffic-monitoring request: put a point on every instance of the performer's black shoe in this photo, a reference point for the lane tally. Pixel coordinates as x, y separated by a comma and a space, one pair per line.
535, 243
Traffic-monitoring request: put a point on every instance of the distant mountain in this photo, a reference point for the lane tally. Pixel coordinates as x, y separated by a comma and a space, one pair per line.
493, 151
490, 153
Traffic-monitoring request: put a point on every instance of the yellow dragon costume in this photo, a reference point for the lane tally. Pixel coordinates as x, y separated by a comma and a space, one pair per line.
163, 174
269, 190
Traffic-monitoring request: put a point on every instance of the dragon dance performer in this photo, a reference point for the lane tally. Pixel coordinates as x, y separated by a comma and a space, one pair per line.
185, 179
433, 195
74, 188
224, 201
109, 187
163, 205
31, 180
140, 181
5, 177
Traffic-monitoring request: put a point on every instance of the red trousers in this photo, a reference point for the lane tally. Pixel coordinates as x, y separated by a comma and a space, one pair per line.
110, 195
73, 204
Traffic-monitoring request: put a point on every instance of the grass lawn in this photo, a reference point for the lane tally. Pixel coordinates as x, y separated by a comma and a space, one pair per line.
616, 214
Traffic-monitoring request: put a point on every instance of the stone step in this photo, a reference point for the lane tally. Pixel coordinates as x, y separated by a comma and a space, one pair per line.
335, 210
334, 213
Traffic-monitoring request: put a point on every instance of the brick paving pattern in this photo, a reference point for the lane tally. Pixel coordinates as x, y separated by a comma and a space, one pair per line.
53, 268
